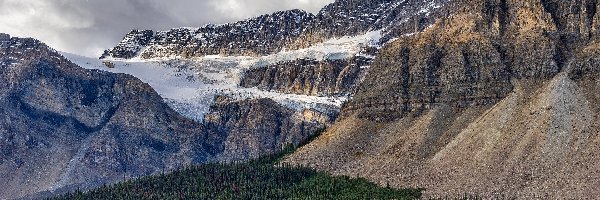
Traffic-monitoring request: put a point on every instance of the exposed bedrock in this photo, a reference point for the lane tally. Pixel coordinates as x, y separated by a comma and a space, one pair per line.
310, 77
246, 129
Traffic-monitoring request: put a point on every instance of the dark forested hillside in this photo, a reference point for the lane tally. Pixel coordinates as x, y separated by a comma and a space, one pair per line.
256, 179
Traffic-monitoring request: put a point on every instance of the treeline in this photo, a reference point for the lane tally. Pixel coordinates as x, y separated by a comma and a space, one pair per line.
261, 178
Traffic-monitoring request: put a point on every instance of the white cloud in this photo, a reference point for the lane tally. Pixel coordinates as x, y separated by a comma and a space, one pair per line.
89, 26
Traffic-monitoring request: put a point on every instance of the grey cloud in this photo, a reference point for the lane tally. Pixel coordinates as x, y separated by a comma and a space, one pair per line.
88, 27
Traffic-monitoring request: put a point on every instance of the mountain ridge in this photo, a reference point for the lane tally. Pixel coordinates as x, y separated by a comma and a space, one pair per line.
252, 37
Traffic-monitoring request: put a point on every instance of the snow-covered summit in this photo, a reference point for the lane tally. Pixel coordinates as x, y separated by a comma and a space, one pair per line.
259, 35
271, 33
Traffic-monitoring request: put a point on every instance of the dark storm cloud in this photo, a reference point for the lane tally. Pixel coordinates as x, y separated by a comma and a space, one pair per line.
89, 26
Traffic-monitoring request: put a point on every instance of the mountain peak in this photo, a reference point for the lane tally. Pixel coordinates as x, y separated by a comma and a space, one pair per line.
292, 11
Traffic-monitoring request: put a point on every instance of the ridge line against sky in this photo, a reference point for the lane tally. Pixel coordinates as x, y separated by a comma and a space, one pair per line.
88, 27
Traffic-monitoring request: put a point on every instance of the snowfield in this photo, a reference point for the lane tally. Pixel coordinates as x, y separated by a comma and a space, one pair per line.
189, 85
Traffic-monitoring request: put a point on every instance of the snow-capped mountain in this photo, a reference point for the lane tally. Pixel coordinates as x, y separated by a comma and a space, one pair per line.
350, 17
257, 36
243, 59
189, 85
60, 124
272, 33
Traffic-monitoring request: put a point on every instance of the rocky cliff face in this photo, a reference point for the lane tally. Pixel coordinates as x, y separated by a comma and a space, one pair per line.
310, 77
63, 126
131, 44
494, 99
251, 128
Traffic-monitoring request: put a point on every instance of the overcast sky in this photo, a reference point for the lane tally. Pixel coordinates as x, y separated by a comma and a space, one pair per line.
87, 27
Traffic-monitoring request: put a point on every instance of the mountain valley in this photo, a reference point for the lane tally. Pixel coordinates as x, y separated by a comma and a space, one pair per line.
491, 98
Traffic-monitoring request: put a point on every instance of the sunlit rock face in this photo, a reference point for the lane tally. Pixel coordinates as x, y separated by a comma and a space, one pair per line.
495, 99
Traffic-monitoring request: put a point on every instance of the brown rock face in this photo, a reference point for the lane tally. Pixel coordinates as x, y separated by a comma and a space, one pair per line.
496, 99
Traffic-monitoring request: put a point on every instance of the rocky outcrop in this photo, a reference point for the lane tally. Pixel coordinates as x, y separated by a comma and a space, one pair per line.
309, 77
65, 127
429, 74
131, 44
494, 99
250, 128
